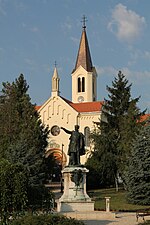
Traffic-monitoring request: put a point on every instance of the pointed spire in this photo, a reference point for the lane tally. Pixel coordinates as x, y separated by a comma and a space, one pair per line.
84, 56
55, 82
55, 74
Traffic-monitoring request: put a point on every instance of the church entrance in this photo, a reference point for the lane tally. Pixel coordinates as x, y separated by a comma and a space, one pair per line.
56, 161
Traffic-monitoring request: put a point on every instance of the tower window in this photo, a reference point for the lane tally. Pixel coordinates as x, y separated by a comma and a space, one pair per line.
81, 84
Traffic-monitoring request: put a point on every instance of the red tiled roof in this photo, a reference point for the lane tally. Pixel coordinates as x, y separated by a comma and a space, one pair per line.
82, 107
144, 117
87, 106
37, 107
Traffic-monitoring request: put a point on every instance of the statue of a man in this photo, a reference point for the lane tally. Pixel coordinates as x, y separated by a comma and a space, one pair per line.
76, 145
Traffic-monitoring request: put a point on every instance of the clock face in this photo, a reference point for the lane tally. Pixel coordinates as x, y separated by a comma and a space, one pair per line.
80, 99
55, 130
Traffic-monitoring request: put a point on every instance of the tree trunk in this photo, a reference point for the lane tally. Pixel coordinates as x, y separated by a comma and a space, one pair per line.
116, 184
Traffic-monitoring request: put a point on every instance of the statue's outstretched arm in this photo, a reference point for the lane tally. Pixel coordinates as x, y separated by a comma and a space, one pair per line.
67, 131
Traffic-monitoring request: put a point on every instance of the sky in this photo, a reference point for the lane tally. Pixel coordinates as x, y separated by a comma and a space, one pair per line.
36, 33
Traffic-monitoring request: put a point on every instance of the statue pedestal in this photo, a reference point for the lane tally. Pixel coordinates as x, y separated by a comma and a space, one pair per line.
74, 197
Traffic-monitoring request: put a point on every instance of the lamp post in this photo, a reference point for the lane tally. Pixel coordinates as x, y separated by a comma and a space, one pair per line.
62, 168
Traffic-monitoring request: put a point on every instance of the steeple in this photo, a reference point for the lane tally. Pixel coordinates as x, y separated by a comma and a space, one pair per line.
55, 82
84, 56
84, 76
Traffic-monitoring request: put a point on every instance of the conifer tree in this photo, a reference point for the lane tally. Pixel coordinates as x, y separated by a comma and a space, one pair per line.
23, 138
138, 171
114, 134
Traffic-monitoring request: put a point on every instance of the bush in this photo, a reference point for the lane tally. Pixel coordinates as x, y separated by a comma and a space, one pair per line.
13, 189
40, 197
46, 220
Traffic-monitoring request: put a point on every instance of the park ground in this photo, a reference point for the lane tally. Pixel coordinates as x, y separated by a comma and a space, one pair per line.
125, 215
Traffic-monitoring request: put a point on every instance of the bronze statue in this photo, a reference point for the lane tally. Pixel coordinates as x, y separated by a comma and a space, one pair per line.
76, 145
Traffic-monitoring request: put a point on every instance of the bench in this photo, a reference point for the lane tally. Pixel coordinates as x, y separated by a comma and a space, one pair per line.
142, 213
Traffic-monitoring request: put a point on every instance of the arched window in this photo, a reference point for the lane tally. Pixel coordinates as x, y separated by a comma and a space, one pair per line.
87, 136
79, 84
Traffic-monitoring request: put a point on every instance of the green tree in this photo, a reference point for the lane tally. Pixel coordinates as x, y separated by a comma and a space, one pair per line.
23, 138
13, 189
138, 171
114, 134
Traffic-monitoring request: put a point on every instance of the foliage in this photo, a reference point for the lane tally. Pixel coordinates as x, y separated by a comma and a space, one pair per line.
49, 166
114, 134
145, 223
46, 219
138, 172
13, 188
118, 200
40, 197
100, 173
23, 138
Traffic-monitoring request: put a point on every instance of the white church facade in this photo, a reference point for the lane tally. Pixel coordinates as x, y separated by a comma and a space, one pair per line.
83, 110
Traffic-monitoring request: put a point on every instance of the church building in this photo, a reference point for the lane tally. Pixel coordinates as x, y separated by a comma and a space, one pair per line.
83, 109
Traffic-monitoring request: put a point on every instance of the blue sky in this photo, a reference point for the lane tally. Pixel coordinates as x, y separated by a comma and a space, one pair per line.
35, 33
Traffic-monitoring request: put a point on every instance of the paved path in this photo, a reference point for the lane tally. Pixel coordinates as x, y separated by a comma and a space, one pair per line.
103, 218
119, 219
122, 219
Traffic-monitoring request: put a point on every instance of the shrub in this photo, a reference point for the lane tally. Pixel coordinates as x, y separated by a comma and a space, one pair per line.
46, 220
40, 197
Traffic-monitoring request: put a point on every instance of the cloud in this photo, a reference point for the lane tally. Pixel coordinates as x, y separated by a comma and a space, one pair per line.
109, 70
34, 29
126, 24
66, 26
75, 40
147, 55
19, 5
137, 54
30, 62
130, 74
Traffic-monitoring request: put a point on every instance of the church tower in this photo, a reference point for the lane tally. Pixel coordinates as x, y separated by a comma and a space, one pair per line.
84, 76
55, 83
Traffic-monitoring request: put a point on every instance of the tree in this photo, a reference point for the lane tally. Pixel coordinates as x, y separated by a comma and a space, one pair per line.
138, 171
13, 189
117, 129
23, 138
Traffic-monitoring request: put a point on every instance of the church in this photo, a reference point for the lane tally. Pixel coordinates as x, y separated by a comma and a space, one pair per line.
83, 109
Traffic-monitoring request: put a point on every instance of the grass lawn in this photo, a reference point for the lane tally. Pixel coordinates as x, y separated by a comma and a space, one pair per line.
118, 200
146, 223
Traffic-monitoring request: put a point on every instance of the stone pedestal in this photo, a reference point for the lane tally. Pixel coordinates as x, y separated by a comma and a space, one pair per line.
74, 197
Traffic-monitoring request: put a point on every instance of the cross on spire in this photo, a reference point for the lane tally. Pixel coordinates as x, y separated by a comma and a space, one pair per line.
84, 20
55, 64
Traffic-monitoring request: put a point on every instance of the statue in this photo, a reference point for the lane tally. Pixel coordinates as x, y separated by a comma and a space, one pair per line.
76, 146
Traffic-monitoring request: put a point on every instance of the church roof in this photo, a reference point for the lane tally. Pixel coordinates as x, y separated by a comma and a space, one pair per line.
82, 107
144, 117
37, 107
85, 106
84, 56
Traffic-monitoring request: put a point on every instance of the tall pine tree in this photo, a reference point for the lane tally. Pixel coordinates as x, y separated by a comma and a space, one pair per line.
113, 137
138, 171
23, 138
